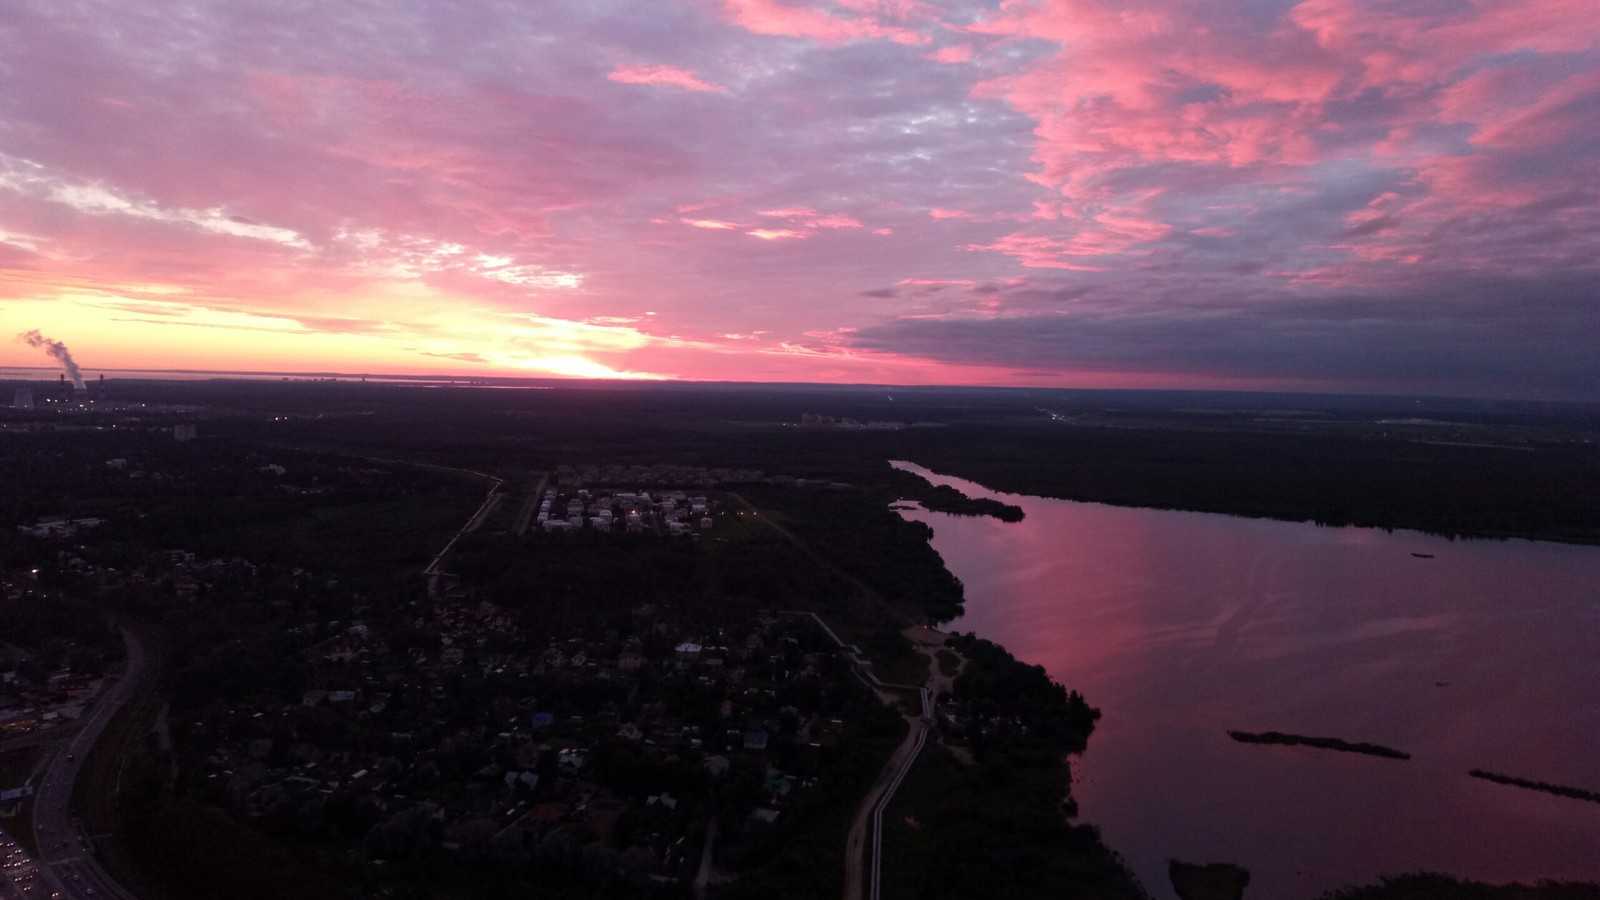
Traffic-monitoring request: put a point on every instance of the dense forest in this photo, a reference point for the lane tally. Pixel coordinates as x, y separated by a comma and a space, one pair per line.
999, 824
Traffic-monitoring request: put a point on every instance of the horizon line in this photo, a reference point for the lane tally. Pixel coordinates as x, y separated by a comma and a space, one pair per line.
537, 381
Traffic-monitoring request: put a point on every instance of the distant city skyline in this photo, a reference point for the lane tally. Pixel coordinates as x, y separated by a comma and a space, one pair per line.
1327, 195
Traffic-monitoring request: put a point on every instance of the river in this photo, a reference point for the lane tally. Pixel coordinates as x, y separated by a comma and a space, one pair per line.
1180, 626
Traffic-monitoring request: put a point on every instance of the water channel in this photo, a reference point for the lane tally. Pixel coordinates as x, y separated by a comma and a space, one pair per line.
1180, 626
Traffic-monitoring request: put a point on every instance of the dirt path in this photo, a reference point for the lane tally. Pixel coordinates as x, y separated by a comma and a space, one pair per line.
929, 641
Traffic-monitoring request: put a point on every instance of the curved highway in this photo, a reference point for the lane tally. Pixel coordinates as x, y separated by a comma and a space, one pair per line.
67, 865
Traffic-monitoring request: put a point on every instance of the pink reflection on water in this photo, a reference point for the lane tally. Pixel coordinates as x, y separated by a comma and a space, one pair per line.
1182, 625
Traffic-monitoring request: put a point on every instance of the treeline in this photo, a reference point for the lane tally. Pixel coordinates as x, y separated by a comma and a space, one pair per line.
1549, 491
1351, 471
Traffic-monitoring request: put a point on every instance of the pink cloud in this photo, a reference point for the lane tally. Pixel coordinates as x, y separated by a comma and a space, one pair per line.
869, 20
1418, 43
1040, 251
669, 76
1565, 111
806, 217
776, 234
1105, 232
834, 221
1147, 102
954, 54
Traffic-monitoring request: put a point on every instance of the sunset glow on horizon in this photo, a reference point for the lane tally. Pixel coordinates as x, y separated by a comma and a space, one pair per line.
1353, 195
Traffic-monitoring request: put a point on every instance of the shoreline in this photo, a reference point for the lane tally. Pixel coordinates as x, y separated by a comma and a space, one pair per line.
975, 600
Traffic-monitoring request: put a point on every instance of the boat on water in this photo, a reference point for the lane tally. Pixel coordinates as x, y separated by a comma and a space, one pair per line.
1423, 555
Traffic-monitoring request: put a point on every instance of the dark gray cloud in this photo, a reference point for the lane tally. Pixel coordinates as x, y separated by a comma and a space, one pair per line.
1529, 338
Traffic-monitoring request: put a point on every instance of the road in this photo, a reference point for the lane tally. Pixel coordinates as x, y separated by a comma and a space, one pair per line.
67, 865
863, 848
435, 571
863, 853
21, 870
531, 505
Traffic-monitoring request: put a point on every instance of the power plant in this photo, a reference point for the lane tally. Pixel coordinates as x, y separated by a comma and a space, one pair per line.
65, 395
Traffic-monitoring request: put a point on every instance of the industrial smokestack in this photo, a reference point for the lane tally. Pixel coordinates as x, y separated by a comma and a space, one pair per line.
58, 351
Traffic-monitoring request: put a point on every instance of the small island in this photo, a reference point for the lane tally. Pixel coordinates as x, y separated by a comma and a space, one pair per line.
1213, 881
1434, 886
946, 499
1323, 743
1544, 786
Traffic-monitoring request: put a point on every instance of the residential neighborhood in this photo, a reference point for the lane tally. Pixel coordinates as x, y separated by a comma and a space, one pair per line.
460, 726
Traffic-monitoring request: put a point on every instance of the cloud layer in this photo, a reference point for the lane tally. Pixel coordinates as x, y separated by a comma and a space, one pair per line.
1325, 194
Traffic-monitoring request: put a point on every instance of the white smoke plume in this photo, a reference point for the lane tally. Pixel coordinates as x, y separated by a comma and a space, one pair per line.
58, 351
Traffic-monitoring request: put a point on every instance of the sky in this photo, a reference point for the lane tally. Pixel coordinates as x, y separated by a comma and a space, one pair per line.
1397, 196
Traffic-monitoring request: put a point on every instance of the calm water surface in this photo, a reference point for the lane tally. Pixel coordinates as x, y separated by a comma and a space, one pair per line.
1182, 625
